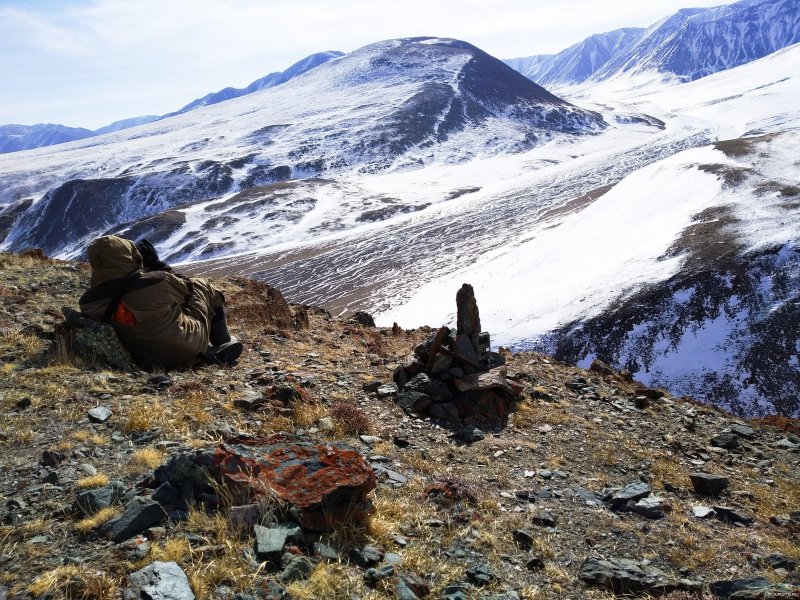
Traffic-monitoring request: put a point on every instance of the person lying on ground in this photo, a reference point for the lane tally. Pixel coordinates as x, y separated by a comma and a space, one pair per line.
165, 320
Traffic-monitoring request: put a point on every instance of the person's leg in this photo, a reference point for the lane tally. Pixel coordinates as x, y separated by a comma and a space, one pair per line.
206, 299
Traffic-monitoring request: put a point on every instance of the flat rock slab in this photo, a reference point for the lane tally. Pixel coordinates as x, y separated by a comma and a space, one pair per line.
326, 484
161, 581
631, 492
623, 576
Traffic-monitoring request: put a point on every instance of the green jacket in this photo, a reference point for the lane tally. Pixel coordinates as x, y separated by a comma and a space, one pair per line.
162, 319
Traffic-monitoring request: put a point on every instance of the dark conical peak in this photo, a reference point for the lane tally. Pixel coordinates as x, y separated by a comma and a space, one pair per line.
447, 61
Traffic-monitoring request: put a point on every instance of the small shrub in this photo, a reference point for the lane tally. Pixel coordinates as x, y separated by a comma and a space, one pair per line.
350, 419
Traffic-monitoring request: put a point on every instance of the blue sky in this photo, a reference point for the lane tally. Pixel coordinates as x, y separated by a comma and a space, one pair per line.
86, 63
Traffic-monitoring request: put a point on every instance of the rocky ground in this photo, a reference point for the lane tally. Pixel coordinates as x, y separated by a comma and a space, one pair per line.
595, 486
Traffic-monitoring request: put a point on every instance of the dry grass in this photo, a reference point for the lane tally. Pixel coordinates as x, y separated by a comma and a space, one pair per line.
143, 414
24, 346
146, 459
226, 565
92, 481
350, 419
76, 582
329, 581
101, 517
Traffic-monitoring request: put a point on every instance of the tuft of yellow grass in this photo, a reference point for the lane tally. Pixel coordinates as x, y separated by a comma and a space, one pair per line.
330, 581
92, 481
144, 414
147, 459
101, 517
76, 583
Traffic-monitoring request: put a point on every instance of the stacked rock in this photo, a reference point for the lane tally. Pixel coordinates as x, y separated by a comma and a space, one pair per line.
453, 377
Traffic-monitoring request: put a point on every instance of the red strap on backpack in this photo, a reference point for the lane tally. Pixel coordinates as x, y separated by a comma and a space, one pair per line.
123, 316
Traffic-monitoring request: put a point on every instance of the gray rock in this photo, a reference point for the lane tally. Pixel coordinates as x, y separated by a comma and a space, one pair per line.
623, 576
135, 548
784, 444
726, 588
375, 575
403, 592
420, 383
465, 351
651, 507
388, 389
631, 492
469, 434
523, 539
707, 484
534, 563
744, 431
369, 440
413, 402
365, 557
446, 411
440, 391
271, 540
99, 414
481, 575
88, 469
161, 581
731, 515
456, 591
544, 518
138, 516
727, 440
325, 551
326, 424
299, 568
88, 502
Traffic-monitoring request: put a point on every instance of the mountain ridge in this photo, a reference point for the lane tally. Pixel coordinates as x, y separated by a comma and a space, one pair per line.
14, 138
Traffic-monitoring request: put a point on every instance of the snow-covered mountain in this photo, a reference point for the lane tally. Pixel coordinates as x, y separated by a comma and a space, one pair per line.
578, 62
126, 124
392, 105
665, 241
687, 271
14, 138
694, 43
689, 44
268, 81
24, 137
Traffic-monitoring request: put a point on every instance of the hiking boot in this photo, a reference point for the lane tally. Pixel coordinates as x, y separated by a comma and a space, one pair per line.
218, 333
227, 353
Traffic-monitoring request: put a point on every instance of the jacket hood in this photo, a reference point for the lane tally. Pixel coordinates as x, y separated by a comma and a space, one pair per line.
112, 257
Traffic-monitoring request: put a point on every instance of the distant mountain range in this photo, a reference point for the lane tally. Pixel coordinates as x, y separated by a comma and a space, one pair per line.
689, 44
26, 137
397, 104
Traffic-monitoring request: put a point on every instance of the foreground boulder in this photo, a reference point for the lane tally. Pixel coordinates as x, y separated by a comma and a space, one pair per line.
160, 581
323, 485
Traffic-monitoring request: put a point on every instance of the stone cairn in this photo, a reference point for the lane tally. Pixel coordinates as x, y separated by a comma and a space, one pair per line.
454, 378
